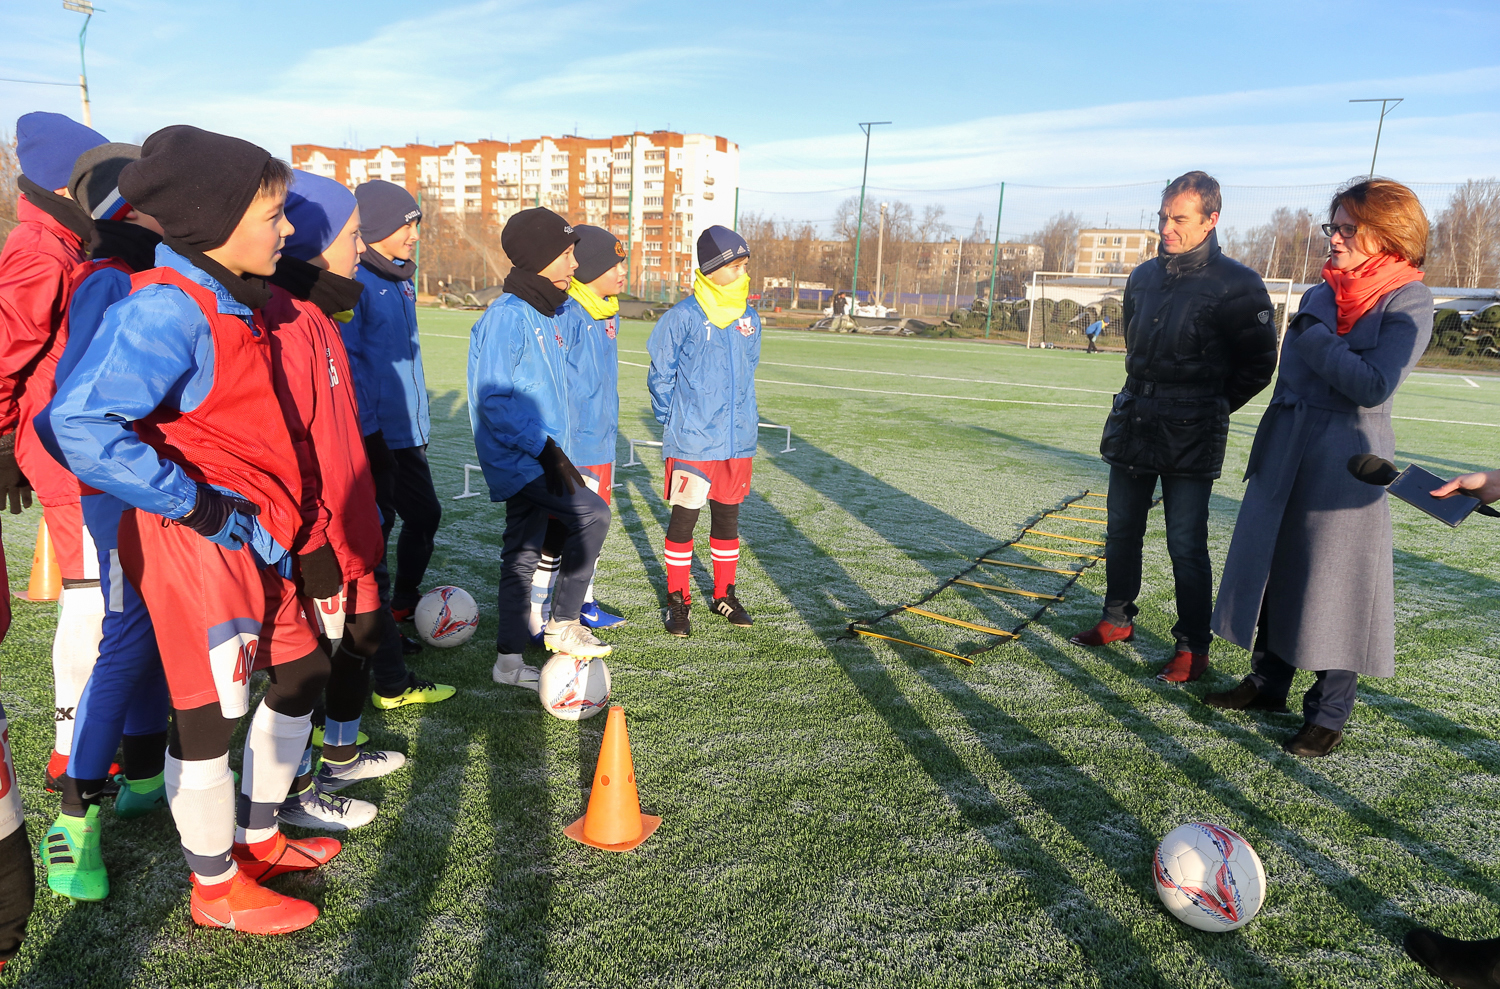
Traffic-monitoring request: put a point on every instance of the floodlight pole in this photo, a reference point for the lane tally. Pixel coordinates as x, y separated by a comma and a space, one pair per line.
85, 7
989, 313
859, 221
1394, 102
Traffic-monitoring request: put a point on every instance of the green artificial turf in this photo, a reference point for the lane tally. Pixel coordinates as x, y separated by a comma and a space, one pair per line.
848, 813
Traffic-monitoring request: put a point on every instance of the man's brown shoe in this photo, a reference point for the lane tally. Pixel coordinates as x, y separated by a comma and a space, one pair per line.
1313, 742
1246, 697
1184, 667
1103, 634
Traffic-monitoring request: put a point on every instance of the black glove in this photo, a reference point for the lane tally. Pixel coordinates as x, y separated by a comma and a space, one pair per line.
13, 484
221, 518
321, 576
562, 477
382, 460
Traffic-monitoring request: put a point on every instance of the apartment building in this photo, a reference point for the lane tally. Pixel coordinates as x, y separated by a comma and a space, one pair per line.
1113, 252
657, 191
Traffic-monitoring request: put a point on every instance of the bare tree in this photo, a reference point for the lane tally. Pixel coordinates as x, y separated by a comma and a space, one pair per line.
1464, 249
1058, 240
10, 170
1289, 245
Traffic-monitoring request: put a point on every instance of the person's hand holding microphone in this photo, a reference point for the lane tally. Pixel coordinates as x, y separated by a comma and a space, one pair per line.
1484, 485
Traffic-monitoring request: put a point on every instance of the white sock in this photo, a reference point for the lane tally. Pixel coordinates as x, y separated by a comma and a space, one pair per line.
273, 751
201, 796
541, 591
75, 649
588, 595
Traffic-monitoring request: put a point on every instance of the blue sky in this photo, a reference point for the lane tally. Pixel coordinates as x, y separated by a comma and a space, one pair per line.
1061, 93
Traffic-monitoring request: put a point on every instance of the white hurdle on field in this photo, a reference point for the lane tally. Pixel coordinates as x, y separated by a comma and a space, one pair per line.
634, 461
467, 493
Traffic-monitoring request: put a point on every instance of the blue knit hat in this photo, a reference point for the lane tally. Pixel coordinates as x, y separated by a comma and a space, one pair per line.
718, 246
47, 144
318, 207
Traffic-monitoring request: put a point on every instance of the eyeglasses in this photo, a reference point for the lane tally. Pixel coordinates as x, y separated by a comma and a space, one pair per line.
1344, 230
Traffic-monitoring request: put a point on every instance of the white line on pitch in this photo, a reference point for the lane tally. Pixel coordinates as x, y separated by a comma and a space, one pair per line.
930, 377
1472, 382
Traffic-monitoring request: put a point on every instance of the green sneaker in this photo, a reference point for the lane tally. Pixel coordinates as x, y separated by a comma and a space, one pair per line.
70, 852
419, 692
317, 737
137, 798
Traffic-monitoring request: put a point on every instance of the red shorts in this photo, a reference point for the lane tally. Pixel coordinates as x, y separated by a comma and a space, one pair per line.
218, 616
604, 474
76, 557
690, 483
361, 595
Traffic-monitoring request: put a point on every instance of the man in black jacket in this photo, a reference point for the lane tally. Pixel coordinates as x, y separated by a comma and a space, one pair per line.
1200, 341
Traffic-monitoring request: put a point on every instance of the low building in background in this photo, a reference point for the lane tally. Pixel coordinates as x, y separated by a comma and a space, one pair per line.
657, 191
1113, 252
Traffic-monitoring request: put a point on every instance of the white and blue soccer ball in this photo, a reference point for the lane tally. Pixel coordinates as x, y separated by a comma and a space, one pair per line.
1210, 878
573, 688
446, 616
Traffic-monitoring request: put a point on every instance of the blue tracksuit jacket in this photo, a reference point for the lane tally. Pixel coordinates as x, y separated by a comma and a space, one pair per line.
385, 357
154, 348
702, 382
593, 384
518, 392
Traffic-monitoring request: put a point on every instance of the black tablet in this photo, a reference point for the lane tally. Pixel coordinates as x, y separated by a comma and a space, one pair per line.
1414, 486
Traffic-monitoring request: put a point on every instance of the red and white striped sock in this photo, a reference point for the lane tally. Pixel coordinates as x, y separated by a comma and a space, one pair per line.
679, 557
726, 554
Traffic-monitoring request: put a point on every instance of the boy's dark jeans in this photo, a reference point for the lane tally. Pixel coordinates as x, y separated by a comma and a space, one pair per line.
407, 493
586, 518
1185, 501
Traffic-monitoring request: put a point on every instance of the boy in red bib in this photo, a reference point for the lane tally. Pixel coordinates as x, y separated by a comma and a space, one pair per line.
704, 352
173, 410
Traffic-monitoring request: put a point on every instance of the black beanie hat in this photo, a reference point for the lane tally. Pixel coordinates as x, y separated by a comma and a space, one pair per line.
384, 208
598, 251
534, 238
95, 183
197, 184
718, 246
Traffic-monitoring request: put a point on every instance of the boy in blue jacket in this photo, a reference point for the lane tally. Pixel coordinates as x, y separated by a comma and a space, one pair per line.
385, 356
519, 408
702, 380
590, 321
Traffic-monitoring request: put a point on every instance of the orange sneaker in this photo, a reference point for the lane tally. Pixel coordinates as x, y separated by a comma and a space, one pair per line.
242, 904
1103, 634
283, 854
1184, 667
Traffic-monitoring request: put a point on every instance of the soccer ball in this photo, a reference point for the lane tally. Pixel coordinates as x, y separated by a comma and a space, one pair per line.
1210, 878
573, 688
446, 616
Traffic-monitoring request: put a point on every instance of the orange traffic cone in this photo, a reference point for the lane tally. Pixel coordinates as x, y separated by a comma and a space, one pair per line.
614, 821
46, 577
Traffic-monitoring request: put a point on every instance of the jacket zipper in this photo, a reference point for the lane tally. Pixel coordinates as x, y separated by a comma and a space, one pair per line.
732, 402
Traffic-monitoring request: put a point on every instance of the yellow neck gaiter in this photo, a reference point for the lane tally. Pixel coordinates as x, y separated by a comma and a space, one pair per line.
723, 303
597, 306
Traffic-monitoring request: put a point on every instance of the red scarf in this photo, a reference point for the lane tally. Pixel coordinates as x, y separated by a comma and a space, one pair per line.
1357, 291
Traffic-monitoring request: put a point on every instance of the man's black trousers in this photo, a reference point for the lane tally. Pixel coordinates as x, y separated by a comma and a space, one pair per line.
1185, 501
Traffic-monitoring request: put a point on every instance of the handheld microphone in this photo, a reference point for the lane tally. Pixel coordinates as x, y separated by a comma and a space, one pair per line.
1372, 469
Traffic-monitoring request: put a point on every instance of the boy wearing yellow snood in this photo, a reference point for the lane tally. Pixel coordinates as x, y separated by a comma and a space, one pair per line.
704, 352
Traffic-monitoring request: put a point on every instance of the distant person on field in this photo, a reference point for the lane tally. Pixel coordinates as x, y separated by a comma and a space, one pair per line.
704, 352
591, 320
520, 410
385, 354
1200, 341
1095, 328
1309, 582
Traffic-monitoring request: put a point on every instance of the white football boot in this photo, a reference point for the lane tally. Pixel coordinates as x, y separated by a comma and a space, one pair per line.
511, 670
316, 808
368, 765
575, 640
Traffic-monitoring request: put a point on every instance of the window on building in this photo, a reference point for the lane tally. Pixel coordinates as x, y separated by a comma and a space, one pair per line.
1119, 241
559, 173
656, 155
1099, 256
473, 189
533, 173
1114, 256
653, 200
473, 162
559, 159
653, 245
654, 169
653, 231
622, 186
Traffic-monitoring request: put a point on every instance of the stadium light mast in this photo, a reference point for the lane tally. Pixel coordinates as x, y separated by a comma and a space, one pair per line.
859, 221
1394, 102
86, 8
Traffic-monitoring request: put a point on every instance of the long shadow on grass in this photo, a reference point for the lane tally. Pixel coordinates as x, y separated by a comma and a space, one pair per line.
1080, 805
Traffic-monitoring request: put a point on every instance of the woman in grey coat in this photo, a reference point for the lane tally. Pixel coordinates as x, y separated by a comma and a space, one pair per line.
1308, 583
